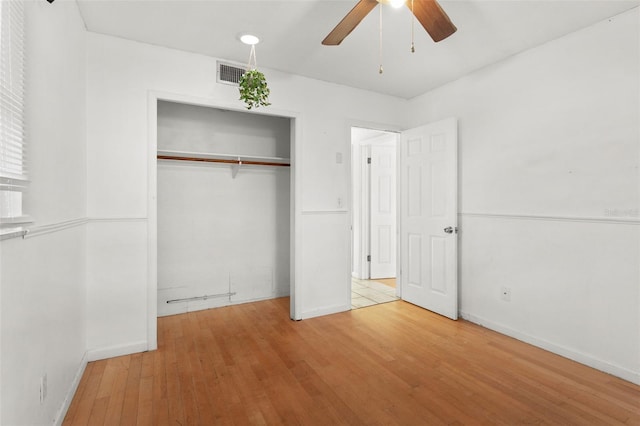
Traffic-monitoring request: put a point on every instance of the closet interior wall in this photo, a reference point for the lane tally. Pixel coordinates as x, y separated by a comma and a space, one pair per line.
223, 238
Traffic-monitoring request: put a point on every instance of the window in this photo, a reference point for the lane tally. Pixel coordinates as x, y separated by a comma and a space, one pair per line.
13, 173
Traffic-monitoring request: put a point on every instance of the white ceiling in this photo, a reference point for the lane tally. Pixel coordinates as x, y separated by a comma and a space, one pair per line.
291, 32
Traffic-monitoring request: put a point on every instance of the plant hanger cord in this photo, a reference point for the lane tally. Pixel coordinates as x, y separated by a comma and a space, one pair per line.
253, 61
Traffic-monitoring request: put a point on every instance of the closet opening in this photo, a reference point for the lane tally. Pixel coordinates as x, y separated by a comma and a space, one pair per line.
374, 219
223, 207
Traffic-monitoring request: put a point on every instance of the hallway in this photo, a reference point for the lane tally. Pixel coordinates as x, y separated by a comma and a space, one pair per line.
372, 292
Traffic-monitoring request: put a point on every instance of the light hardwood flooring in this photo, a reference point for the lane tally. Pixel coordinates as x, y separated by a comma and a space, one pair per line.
389, 364
391, 282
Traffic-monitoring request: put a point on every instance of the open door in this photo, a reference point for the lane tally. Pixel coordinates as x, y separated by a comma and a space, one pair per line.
428, 217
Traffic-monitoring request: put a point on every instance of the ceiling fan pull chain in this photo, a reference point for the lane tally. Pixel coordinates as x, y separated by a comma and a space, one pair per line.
413, 20
380, 70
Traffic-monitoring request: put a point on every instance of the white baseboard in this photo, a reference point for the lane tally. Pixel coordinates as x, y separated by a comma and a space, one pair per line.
62, 412
582, 358
325, 311
118, 350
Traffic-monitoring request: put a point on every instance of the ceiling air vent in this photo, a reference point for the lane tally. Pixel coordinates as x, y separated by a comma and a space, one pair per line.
229, 74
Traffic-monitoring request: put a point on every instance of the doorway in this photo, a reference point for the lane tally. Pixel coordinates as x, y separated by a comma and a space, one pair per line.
152, 242
374, 220
223, 179
426, 209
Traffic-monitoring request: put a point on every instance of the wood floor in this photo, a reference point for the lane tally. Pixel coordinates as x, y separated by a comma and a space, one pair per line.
390, 364
391, 282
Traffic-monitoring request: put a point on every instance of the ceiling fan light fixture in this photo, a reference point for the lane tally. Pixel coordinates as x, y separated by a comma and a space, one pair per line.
249, 39
397, 3
428, 12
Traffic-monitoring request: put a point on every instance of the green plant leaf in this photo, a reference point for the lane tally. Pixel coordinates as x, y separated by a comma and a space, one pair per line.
253, 89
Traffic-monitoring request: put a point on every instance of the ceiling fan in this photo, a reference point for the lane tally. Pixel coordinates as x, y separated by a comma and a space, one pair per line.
428, 12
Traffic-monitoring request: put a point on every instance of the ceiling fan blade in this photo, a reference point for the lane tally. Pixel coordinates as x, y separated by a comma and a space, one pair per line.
349, 22
432, 18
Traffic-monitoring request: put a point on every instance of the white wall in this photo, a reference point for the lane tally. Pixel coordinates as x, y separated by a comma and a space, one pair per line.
121, 75
220, 234
42, 281
549, 149
202, 129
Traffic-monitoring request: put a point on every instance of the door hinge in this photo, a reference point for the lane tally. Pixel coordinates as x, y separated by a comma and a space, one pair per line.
369, 160
368, 258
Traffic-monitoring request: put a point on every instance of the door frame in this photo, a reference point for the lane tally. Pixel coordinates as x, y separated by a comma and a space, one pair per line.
359, 216
152, 206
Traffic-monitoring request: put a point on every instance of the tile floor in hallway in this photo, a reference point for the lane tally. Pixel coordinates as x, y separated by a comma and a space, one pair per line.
370, 292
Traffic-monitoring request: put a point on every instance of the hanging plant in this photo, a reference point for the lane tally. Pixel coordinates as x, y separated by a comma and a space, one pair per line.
254, 90
253, 85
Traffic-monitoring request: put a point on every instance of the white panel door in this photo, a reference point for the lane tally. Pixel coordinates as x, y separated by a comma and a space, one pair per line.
383, 211
428, 217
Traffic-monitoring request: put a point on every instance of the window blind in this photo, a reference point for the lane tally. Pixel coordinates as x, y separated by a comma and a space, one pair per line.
13, 172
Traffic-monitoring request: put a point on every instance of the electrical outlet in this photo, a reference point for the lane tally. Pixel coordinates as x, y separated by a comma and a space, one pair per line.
43, 388
505, 294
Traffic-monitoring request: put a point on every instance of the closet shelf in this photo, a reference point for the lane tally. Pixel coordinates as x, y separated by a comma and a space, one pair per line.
223, 158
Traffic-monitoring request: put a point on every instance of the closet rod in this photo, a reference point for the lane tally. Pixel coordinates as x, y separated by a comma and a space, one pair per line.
222, 160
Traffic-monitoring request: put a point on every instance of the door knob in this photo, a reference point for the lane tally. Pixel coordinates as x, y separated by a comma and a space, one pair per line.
448, 230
